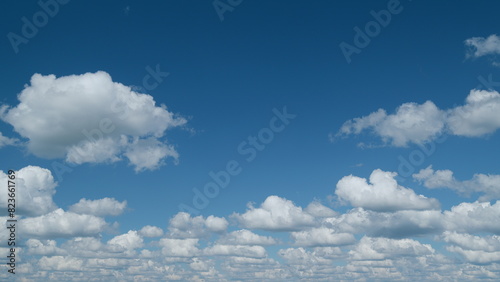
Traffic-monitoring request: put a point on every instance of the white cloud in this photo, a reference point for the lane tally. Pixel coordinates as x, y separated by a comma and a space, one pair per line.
243, 254
476, 256
382, 193
235, 250
89, 118
151, 231
489, 185
479, 115
216, 224
6, 141
421, 123
149, 153
43, 247
182, 225
480, 46
126, 242
179, 247
473, 217
100, 207
201, 265
471, 242
245, 237
61, 224
275, 214
61, 263
35, 187
381, 248
475, 249
316, 209
86, 247
300, 256
399, 224
322, 236
411, 123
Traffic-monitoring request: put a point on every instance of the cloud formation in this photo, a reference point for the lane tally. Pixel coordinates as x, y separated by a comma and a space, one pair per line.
421, 123
275, 214
35, 187
89, 118
101, 207
371, 241
382, 193
487, 185
5, 141
182, 225
481, 46
61, 224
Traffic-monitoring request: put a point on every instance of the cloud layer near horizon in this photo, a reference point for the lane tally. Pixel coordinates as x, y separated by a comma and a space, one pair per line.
277, 240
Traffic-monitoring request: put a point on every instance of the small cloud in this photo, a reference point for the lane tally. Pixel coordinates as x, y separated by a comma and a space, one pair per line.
480, 46
126, 10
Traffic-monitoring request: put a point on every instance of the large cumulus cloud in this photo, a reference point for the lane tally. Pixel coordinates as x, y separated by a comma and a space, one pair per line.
89, 118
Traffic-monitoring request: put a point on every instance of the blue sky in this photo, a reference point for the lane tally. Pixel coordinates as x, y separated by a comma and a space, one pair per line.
402, 133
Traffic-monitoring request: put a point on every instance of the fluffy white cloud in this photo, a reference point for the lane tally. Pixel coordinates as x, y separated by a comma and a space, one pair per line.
421, 123
276, 214
43, 247
300, 256
316, 209
399, 224
179, 247
474, 249
100, 207
35, 187
61, 224
90, 118
61, 263
411, 123
201, 265
86, 247
382, 193
473, 217
149, 153
245, 237
381, 248
385, 251
151, 231
236, 250
480, 46
216, 224
472, 242
489, 185
130, 240
476, 256
322, 236
479, 115
182, 225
